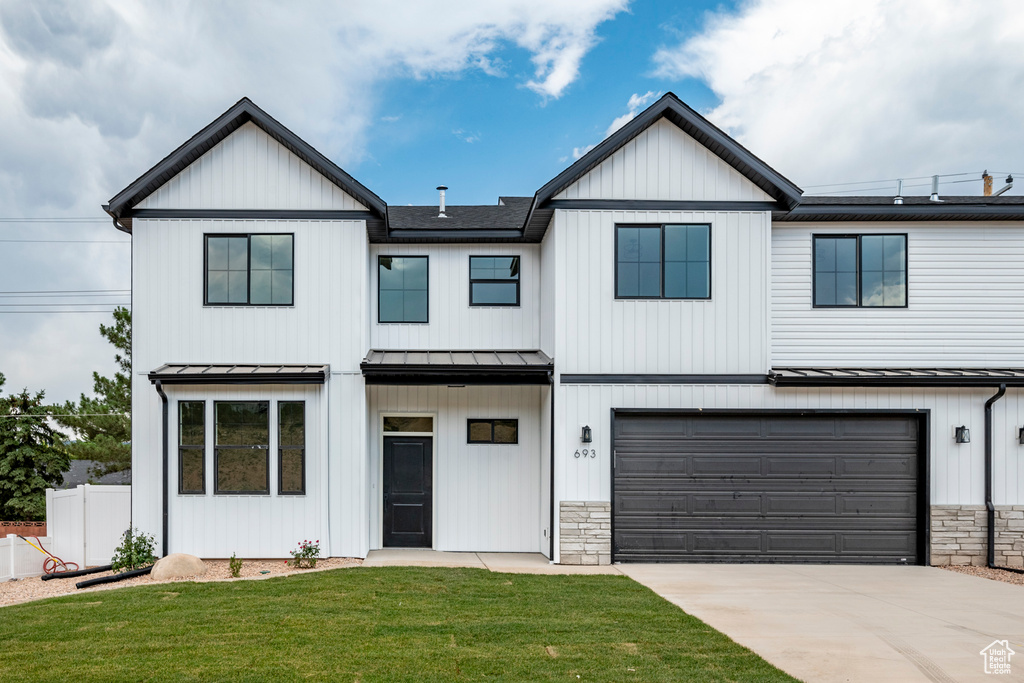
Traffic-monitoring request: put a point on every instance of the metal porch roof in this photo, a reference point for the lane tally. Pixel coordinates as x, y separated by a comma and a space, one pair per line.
227, 373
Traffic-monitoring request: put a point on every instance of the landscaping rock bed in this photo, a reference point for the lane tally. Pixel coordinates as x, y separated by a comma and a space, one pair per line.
986, 573
24, 590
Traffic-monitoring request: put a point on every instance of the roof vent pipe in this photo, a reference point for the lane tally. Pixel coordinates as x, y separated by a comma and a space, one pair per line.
899, 192
935, 189
441, 189
1004, 188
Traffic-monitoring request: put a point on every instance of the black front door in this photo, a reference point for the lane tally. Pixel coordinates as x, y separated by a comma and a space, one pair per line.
408, 494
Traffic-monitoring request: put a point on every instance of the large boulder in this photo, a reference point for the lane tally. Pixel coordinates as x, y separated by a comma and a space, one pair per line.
176, 566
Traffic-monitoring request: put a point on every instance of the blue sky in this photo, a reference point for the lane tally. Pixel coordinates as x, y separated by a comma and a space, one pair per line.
489, 98
519, 141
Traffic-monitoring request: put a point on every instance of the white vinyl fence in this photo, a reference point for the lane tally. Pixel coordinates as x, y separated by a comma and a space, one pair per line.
86, 523
19, 560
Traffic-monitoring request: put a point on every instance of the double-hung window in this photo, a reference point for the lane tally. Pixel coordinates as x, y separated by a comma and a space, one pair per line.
249, 270
402, 289
493, 280
860, 270
663, 261
241, 447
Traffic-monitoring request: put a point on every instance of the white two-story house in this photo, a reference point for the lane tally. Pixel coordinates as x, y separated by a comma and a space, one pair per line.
667, 353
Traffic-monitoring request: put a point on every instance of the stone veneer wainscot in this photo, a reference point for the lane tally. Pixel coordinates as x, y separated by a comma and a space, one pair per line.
585, 532
959, 535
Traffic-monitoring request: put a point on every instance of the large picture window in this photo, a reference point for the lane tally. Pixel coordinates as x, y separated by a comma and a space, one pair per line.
663, 261
402, 289
249, 270
291, 447
242, 443
493, 280
860, 270
191, 447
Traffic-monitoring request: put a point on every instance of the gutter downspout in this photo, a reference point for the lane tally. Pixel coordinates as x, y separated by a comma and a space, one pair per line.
163, 397
551, 495
990, 508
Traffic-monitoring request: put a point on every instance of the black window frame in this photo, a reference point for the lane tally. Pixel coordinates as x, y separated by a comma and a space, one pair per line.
491, 421
499, 281
248, 266
860, 268
191, 447
217, 448
426, 257
282, 448
662, 297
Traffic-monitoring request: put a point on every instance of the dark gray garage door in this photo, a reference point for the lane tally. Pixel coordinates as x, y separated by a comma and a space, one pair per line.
766, 488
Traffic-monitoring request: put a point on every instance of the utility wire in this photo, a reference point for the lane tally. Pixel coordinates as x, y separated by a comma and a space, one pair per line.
17, 312
54, 219
893, 180
70, 303
55, 292
71, 241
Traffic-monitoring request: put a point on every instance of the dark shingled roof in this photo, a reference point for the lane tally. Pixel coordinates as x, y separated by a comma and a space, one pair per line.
78, 472
916, 208
496, 222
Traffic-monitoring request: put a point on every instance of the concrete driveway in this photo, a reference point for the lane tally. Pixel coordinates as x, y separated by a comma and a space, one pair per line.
842, 623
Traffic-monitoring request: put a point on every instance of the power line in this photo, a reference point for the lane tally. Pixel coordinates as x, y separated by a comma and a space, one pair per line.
62, 291
71, 294
71, 303
54, 219
79, 311
893, 180
71, 241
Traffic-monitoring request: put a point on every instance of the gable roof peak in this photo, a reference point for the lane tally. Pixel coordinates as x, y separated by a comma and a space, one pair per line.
240, 113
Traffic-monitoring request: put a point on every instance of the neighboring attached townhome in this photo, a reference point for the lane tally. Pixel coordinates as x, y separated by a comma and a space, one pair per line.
667, 353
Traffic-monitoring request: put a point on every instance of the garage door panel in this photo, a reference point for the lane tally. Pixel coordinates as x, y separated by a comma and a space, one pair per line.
766, 488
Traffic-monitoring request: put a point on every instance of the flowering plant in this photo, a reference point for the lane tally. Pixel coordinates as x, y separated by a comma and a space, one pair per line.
306, 556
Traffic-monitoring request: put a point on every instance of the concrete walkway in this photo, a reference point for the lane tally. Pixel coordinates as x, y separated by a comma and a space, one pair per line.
516, 563
851, 623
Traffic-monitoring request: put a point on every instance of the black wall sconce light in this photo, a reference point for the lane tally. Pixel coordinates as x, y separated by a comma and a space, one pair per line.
1020, 436
963, 435
587, 436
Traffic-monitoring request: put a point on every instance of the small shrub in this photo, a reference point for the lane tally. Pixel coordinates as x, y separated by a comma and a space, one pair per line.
236, 566
306, 556
135, 551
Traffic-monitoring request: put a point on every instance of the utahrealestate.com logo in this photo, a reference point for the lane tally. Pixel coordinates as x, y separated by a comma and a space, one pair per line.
997, 657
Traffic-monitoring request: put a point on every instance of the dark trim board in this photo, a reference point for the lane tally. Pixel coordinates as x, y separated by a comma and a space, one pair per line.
923, 416
441, 376
663, 379
282, 378
264, 214
658, 205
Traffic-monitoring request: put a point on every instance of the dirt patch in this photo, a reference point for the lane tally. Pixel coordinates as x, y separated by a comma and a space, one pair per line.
25, 590
987, 573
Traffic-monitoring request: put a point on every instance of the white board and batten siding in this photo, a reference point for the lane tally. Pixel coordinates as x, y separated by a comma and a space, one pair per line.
956, 471
487, 497
663, 162
453, 323
596, 333
325, 325
965, 295
212, 525
250, 170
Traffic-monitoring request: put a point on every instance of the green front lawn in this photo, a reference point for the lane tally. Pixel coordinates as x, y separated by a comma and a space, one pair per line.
386, 624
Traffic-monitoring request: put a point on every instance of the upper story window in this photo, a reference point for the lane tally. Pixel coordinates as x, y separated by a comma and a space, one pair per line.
493, 280
249, 270
860, 270
402, 289
663, 261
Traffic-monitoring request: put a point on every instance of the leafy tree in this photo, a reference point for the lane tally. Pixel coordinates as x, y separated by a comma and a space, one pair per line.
104, 421
32, 456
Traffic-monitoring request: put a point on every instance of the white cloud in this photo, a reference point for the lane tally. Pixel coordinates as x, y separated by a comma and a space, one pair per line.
635, 104
93, 92
466, 137
859, 89
578, 152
